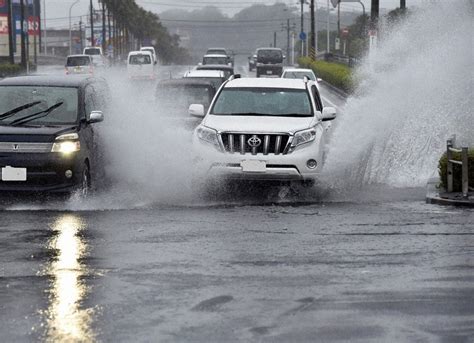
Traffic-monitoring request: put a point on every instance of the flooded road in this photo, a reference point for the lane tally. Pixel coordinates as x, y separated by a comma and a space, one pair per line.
373, 271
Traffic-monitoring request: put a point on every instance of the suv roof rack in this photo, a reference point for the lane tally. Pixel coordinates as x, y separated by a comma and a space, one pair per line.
235, 76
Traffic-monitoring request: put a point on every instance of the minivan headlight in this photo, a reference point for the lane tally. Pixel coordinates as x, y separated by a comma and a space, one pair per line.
303, 137
67, 143
208, 135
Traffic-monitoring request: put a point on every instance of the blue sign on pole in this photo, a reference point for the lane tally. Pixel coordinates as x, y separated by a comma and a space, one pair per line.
302, 35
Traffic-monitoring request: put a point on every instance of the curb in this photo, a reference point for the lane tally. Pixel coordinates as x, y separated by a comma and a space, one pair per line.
340, 92
433, 196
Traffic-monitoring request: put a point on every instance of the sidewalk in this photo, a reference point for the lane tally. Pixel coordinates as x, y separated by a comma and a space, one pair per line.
436, 195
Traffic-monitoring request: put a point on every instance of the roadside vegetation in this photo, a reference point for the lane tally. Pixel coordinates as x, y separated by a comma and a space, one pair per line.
338, 75
7, 70
457, 173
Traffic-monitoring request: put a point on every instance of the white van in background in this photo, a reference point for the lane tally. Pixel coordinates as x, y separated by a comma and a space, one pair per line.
152, 51
97, 56
140, 65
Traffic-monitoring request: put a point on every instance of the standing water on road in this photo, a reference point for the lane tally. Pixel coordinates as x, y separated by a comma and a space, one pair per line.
414, 93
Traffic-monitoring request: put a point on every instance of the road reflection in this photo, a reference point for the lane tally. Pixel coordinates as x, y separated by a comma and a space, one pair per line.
66, 319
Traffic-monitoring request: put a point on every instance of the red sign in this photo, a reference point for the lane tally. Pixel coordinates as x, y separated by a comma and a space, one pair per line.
33, 26
345, 32
2, 3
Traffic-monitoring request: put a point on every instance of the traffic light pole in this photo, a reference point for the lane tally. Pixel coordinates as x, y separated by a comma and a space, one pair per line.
92, 24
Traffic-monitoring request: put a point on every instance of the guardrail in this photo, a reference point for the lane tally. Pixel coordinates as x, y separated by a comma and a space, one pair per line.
463, 163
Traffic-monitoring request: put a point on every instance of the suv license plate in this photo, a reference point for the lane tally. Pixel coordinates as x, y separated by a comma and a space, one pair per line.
269, 72
253, 166
13, 174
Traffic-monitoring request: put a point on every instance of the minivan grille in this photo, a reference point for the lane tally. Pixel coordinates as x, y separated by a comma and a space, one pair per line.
25, 147
249, 143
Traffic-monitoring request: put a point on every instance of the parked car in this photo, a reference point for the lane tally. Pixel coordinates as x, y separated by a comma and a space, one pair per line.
263, 129
299, 73
227, 69
152, 51
47, 136
217, 77
140, 66
173, 98
252, 62
269, 62
79, 64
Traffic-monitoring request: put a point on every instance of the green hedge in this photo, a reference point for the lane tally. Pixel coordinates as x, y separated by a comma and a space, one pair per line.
338, 75
457, 172
9, 70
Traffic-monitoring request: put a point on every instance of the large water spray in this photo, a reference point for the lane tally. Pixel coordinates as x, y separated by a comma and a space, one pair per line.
415, 92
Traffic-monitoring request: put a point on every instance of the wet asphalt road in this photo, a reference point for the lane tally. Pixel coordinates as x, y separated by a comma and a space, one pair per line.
374, 265
339, 271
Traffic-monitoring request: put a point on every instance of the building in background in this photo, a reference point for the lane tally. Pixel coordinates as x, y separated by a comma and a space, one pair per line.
32, 27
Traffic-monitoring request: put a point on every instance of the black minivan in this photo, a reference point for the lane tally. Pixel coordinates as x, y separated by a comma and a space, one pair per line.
47, 140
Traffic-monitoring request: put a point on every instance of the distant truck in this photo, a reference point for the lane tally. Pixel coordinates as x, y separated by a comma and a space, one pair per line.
269, 62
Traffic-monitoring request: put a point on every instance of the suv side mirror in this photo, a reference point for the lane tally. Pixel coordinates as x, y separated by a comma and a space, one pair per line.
95, 117
196, 110
319, 79
329, 113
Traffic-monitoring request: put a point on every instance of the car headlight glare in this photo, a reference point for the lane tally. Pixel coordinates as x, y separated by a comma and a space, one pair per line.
303, 137
208, 135
67, 143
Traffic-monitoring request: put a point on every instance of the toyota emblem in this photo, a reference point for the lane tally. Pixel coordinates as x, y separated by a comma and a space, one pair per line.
254, 141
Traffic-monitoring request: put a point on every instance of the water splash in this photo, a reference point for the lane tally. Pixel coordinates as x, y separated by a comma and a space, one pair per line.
416, 92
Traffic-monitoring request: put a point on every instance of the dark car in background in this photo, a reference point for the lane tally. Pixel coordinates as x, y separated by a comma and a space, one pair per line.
252, 62
173, 98
47, 138
269, 62
221, 51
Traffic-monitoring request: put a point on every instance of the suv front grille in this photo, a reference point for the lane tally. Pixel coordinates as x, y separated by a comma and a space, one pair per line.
25, 147
249, 143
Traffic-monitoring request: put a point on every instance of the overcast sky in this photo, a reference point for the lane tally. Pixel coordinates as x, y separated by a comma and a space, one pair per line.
57, 11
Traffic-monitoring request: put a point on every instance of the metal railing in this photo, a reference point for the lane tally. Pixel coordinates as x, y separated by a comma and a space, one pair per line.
450, 149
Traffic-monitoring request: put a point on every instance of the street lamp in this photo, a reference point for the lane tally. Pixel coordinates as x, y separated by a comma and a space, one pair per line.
70, 33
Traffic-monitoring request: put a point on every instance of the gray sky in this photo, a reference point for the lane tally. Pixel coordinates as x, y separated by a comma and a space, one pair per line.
57, 11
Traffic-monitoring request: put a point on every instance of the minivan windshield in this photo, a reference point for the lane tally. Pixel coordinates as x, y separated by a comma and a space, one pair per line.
139, 59
77, 61
12, 97
269, 56
263, 102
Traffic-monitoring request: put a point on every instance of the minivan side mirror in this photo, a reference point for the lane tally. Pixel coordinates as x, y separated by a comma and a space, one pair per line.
96, 117
196, 110
329, 113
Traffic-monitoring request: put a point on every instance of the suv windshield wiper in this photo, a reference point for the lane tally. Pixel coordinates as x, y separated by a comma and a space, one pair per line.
265, 114
14, 111
36, 115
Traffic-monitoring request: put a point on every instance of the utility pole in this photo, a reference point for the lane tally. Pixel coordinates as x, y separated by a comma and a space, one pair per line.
22, 42
35, 32
288, 29
403, 4
302, 28
274, 39
312, 35
327, 30
104, 29
81, 43
45, 40
374, 14
92, 24
11, 53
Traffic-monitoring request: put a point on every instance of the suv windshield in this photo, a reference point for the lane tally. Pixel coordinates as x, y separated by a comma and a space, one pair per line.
263, 102
269, 56
91, 51
298, 75
77, 61
14, 96
140, 59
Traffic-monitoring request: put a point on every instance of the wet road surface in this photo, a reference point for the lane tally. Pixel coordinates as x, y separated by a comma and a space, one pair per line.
377, 271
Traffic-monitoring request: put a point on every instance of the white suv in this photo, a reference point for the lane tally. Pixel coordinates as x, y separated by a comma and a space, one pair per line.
263, 129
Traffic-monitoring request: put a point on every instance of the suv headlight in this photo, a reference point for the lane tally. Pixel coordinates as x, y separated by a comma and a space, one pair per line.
208, 135
303, 137
67, 143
